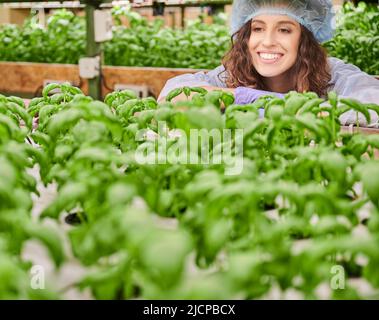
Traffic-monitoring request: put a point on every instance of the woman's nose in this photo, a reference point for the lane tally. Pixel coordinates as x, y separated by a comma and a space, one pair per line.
269, 39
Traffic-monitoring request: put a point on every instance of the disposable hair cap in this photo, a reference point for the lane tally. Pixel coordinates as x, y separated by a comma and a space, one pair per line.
316, 15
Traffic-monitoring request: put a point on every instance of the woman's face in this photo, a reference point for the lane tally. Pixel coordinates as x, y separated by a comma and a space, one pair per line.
274, 44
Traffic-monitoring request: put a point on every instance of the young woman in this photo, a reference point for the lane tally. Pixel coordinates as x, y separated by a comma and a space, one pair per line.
276, 49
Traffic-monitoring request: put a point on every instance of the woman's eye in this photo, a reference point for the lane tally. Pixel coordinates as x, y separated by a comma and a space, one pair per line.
283, 30
257, 29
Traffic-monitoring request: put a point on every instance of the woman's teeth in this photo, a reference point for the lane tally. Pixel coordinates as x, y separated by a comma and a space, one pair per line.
270, 56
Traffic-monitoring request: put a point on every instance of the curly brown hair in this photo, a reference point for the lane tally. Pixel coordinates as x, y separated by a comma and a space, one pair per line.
310, 72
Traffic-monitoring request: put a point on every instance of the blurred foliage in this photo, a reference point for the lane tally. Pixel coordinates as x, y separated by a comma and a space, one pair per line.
357, 37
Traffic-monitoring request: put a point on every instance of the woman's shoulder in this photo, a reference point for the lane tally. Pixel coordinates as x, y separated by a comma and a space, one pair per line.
333, 61
348, 80
338, 65
341, 71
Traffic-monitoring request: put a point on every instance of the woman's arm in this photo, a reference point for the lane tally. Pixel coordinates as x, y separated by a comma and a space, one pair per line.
348, 81
214, 79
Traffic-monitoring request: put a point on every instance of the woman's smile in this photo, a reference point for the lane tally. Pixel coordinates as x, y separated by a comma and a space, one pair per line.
269, 57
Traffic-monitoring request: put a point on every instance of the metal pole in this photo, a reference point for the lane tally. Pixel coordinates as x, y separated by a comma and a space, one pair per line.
173, 19
182, 14
92, 50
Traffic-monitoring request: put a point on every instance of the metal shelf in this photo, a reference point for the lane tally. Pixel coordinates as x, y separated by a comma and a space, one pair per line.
22, 4
47, 5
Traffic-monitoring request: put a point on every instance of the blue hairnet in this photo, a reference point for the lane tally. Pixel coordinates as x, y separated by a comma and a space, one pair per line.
316, 15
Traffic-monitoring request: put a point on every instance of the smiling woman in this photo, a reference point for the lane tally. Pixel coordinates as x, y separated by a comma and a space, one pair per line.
276, 48
275, 53
273, 45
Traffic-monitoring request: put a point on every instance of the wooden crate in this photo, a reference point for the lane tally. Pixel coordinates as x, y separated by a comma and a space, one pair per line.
27, 79
13, 16
360, 129
154, 78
